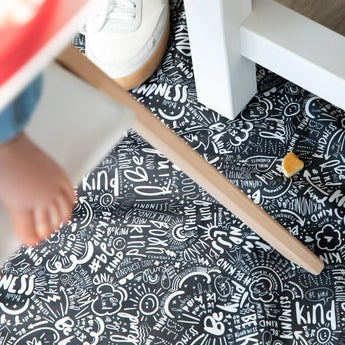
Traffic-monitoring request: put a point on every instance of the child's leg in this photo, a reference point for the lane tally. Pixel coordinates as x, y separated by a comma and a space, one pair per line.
35, 191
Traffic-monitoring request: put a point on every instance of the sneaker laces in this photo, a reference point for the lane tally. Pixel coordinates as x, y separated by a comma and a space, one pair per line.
111, 11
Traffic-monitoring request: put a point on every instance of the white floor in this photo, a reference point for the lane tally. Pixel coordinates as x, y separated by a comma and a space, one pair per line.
77, 126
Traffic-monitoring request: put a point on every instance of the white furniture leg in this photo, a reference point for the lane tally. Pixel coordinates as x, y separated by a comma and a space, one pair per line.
297, 48
227, 38
225, 80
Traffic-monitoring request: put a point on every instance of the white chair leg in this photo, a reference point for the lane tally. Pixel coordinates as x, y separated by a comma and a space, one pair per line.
225, 80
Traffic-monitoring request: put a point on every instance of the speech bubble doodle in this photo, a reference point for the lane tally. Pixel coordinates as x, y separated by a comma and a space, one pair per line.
108, 162
321, 294
260, 163
222, 286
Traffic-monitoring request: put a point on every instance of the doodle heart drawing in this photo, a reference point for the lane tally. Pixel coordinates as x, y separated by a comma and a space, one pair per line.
273, 186
261, 176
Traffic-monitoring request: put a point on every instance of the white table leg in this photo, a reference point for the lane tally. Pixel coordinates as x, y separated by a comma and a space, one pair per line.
225, 80
297, 48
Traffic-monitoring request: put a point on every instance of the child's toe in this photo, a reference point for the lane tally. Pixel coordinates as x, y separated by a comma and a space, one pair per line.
65, 207
54, 216
42, 222
24, 225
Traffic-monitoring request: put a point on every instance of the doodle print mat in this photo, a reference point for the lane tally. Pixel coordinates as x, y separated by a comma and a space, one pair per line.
150, 258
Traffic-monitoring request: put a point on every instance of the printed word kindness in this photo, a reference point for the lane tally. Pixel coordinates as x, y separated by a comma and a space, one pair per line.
17, 285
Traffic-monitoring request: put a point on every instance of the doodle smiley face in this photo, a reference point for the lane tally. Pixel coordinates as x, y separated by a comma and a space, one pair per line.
292, 109
106, 200
149, 304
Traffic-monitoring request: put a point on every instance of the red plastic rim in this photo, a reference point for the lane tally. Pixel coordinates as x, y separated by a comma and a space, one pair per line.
18, 42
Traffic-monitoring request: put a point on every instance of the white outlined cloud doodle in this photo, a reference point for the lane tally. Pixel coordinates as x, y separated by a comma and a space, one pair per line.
261, 290
240, 134
256, 111
109, 300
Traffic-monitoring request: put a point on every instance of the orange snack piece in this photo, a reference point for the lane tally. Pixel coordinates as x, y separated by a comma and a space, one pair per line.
291, 164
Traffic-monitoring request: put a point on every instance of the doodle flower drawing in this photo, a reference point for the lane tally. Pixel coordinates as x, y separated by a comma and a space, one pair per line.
328, 238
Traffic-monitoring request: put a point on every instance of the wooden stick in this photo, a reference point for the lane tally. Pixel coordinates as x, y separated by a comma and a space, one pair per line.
195, 166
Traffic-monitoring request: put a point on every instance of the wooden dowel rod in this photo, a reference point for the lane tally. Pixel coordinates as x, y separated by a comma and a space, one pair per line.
194, 165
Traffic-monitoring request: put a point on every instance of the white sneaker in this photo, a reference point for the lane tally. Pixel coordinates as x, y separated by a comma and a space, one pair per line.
127, 38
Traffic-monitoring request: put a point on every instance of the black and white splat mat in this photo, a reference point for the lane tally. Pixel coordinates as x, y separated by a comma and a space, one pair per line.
150, 258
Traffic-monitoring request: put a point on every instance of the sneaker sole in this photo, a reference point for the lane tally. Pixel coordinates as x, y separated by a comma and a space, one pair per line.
139, 76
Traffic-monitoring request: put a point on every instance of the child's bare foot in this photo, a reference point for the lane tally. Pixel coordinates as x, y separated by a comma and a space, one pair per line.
35, 191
